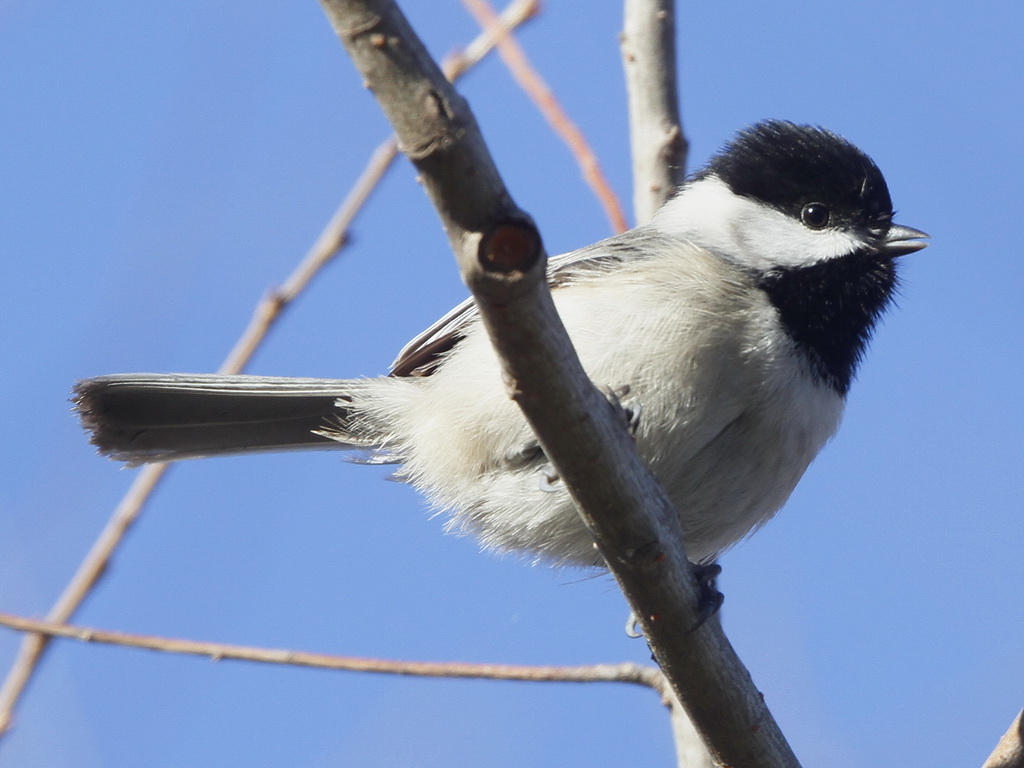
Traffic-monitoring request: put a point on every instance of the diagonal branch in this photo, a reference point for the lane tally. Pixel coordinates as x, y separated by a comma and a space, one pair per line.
267, 312
500, 256
1009, 752
439, 134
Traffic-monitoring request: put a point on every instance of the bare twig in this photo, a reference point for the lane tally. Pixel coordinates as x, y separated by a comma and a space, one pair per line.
537, 89
267, 312
514, 15
633, 523
626, 672
1009, 752
656, 133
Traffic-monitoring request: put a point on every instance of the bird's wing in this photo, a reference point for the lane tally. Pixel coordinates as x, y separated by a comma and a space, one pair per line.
422, 354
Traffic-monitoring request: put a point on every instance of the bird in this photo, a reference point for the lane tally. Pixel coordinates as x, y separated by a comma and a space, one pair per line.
730, 326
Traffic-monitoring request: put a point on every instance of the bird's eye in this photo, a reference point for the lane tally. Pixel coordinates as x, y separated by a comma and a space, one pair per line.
815, 216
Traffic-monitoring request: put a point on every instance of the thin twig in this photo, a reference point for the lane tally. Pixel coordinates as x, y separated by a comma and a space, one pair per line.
267, 312
626, 672
537, 89
658, 144
514, 15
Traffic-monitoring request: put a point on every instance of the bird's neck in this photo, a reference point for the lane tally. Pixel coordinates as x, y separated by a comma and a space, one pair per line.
829, 309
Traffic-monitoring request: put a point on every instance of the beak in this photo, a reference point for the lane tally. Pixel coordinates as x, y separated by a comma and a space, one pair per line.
900, 241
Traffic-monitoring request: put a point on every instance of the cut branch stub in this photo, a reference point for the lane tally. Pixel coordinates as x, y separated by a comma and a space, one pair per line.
511, 246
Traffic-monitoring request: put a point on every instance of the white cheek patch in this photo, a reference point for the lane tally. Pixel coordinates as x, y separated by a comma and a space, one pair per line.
710, 216
767, 238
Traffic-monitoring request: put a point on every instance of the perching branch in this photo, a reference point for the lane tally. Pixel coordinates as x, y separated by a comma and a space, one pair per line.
633, 523
435, 128
1009, 752
267, 312
658, 144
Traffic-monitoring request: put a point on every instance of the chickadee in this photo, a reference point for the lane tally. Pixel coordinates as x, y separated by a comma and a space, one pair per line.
731, 325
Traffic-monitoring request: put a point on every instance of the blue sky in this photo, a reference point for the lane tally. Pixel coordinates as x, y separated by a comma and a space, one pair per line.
163, 166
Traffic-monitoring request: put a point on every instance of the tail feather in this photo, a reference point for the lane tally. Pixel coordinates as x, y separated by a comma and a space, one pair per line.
140, 418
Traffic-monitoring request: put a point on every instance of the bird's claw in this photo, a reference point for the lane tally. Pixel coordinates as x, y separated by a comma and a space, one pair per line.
630, 410
710, 599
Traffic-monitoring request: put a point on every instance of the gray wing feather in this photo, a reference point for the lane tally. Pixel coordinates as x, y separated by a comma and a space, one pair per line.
422, 354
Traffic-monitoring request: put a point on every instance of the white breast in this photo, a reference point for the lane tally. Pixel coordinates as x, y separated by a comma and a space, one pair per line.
729, 416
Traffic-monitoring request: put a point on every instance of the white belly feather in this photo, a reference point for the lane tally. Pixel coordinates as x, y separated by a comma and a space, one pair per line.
728, 430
